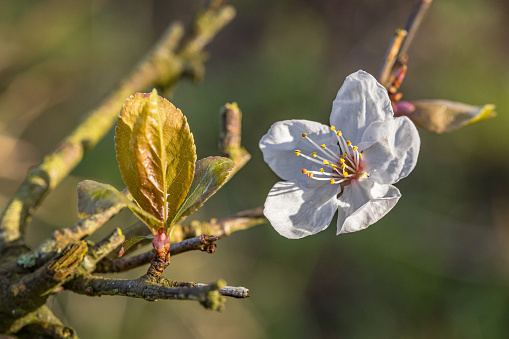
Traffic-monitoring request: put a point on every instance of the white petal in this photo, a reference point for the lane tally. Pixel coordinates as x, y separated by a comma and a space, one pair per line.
284, 137
360, 101
394, 155
296, 211
363, 203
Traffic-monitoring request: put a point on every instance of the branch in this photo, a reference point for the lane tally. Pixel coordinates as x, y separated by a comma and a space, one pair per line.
164, 65
222, 227
209, 295
230, 136
41, 324
396, 57
61, 238
203, 243
26, 294
390, 57
414, 23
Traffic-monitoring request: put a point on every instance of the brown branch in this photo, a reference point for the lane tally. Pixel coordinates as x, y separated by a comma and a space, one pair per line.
209, 295
61, 238
203, 243
396, 57
29, 292
40, 324
164, 65
414, 23
391, 57
222, 227
230, 136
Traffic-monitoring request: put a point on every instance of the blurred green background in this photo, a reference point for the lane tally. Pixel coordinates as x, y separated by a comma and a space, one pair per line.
435, 266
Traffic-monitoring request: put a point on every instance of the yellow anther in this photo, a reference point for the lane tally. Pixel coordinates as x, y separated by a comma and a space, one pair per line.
332, 128
338, 133
304, 171
334, 166
345, 174
332, 181
314, 155
343, 166
322, 170
342, 160
297, 152
325, 162
310, 175
348, 143
344, 155
323, 146
355, 148
304, 135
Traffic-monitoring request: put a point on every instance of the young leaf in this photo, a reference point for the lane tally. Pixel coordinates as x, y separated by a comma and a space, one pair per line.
95, 197
131, 241
442, 116
210, 174
156, 153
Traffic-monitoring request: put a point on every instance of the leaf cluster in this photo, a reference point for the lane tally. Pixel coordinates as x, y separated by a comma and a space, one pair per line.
157, 160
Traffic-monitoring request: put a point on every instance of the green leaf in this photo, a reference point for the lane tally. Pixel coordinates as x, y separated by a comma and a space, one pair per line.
95, 197
211, 173
442, 116
156, 153
131, 241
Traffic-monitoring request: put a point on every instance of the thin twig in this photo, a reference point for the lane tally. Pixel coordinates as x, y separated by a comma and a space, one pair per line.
209, 295
390, 57
230, 136
414, 23
203, 243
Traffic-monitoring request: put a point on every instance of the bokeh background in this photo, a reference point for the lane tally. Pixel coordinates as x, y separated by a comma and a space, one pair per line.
435, 266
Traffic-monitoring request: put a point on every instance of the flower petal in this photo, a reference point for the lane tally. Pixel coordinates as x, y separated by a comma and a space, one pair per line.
284, 137
394, 155
363, 203
359, 102
296, 210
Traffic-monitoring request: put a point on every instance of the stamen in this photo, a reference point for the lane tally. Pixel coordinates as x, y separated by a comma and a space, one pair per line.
348, 143
325, 162
304, 171
332, 128
332, 181
342, 160
297, 152
355, 148
323, 148
345, 174
311, 159
339, 133
313, 154
310, 175
322, 170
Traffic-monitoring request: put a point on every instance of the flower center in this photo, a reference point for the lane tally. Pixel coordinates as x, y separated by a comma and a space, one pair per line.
337, 168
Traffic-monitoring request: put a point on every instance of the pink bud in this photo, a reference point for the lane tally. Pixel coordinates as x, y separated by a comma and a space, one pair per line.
403, 108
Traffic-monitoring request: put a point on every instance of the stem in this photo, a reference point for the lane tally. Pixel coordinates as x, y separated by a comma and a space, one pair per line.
414, 23
390, 57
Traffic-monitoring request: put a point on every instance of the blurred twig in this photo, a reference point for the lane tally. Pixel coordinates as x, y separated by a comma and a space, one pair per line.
396, 56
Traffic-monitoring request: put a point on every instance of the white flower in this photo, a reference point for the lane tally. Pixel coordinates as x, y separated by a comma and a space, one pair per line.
349, 166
